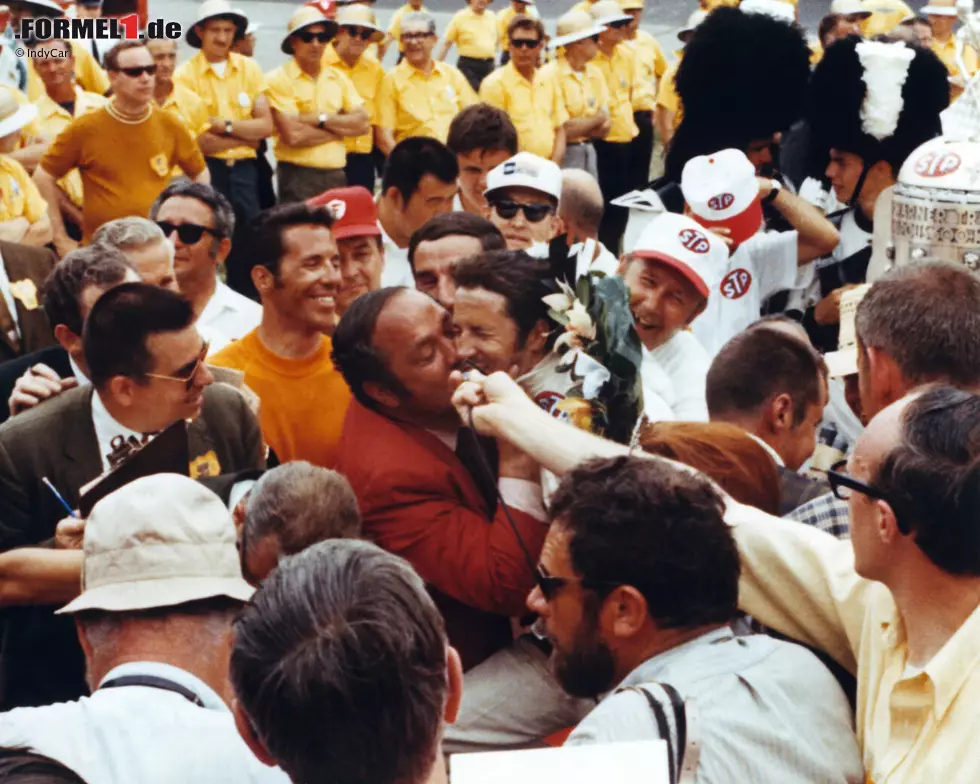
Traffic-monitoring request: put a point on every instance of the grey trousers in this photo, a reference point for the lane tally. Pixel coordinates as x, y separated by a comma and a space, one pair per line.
512, 701
581, 155
299, 183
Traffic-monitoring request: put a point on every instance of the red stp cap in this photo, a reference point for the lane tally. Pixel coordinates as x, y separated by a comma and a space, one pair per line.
353, 210
722, 190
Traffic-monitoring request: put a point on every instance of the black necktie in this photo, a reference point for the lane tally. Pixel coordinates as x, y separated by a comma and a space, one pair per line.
468, 446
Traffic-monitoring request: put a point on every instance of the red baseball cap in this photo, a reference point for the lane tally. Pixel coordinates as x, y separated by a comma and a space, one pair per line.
353, 210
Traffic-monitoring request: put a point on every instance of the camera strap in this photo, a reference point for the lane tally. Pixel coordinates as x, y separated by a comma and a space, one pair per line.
154, 682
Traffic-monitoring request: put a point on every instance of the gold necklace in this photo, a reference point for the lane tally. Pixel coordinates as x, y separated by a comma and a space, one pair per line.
114, 111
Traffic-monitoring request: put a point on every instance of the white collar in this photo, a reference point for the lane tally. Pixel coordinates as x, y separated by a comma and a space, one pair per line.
83, 380
181, 677
107, 428
447, 437
217, 302
772, 452
388, 242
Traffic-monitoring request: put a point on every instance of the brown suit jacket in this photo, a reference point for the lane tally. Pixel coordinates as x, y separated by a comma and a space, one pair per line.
23, 262
40, 661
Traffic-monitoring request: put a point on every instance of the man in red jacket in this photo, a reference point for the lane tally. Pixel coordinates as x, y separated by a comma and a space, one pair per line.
424, 492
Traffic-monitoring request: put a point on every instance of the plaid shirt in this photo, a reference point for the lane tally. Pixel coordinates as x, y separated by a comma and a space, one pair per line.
826, 512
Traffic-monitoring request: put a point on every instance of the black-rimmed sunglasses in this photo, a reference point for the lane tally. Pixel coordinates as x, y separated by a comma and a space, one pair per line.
535, 212
137, 71
524, 43
364, 33
620, 24
843, 484
551, 585
308, 36
187, 233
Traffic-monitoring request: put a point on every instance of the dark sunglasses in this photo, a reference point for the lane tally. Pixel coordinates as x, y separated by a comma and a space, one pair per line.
307, 36
364, 33
415, 36
550, 586
138, 70
524, 43
595, 39
535, 212
188, 376
620, 24
187, 233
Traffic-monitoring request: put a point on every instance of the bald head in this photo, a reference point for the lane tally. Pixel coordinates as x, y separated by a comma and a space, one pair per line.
581, 204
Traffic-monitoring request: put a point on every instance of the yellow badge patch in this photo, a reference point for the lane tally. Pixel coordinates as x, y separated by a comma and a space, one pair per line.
205, 465
160, 164
26, 291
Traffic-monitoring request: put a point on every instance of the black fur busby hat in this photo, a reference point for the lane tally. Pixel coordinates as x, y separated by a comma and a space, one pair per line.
876, 100
743, 77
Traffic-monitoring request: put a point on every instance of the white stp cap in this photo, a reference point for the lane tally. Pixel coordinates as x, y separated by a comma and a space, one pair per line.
722, 190
684, 245
526, 170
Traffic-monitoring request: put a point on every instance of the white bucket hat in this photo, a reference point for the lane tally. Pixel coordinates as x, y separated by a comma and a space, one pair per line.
940, 8
574, 26
356, 15
607, 12
526, 170
216, 9
849, 8
696, 17
159, 541
304, 17
13, 115
844, 361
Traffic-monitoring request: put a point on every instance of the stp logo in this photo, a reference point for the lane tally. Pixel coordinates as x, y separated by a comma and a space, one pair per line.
721, 202
736, 283
548, 400
937, 164
694, 241
338, 207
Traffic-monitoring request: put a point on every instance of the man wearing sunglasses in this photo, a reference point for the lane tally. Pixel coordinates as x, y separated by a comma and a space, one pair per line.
125, 151
346, 53
315, 108
145, 360
522, 198
533, 102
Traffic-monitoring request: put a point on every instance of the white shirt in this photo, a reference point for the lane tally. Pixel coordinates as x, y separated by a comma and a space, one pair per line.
83, 380
8, 297
769, 450
761, 266
675, 374
397, 271
228, 317
107, 428
141, 734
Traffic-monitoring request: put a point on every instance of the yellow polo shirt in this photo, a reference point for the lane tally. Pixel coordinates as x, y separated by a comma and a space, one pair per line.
231, 96
395, 25
913, 727
628, 92
189, 109
649, 55
886, 15
667, 94
583, 94
366, 75
711, 5
475, 35
54, 118
947, 53
535, 107
19, 196
89, 75
411, 103
293, 91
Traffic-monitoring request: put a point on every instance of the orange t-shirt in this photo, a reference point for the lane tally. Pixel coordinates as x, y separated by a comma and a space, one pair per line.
303, 402
124, 166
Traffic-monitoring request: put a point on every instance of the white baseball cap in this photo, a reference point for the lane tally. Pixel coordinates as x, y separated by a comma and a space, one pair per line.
686, 246
722, 190
526, 170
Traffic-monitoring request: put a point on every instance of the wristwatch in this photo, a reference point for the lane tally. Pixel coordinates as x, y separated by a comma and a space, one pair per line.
322, 121
228, 128
775, 186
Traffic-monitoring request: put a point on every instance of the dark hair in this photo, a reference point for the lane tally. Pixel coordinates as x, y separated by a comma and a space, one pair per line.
757, 365
827, 25
265, 243
659, 528
92, 266
456, 224
932, 478
353, 354
514, 275
111, 60
482, 127
33, 43
725, 453
221, 209
413, 158
522, 22
340, 665
122, 319
926, 317
23, 766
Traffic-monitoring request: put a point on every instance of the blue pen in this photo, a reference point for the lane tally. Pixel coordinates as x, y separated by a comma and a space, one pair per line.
59, 496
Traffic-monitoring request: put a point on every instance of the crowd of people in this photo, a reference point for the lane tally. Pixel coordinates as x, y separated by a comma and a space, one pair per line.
567, 396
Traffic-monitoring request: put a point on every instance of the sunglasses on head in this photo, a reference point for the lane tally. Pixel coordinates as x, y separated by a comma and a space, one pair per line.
188, 376
535, 212
138, 70
308, 36
524, 43
187, 233
364, 33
